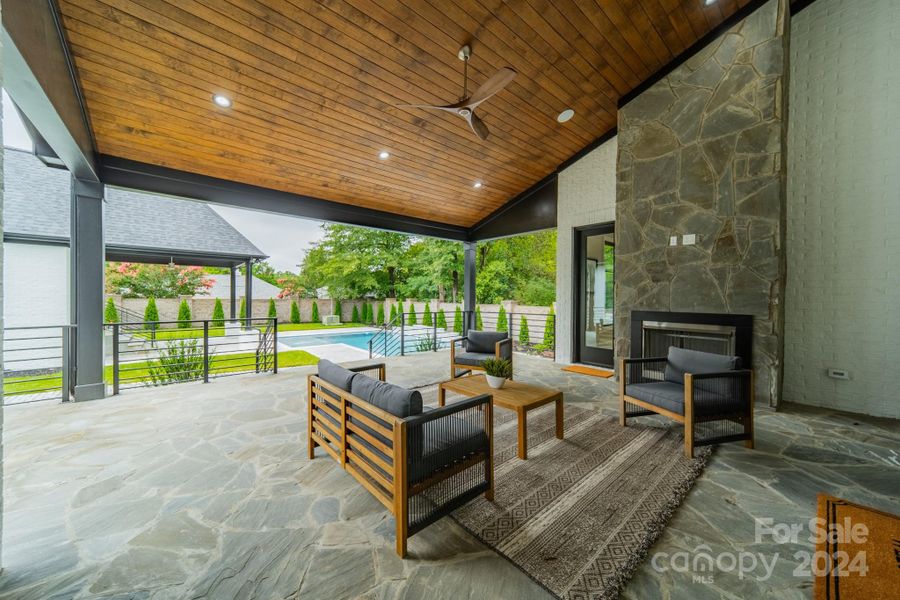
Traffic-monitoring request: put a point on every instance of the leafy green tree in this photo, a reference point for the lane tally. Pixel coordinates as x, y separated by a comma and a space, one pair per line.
549, 331
337, 310
479, 324
524, 335
502, 325
110, 313
218, 314
432, 269
458, 320
411, 316
273, 311
441, 320
315, 312
380, 313
184, 315
295, 312
242, 312
426, 316
151, 314
355, 316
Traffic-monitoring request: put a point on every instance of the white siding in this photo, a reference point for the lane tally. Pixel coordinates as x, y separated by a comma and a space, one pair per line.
35, 285
843, 247
587, 195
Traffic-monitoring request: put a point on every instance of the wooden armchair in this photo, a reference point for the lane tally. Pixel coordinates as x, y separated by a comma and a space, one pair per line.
422, 465
477, 347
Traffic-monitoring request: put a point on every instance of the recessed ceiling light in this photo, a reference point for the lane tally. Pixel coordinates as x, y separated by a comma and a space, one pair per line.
477, 185
223, 101
384, 155
565, 115
708, 2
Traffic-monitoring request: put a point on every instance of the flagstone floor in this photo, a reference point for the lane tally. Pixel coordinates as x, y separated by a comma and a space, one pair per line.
204, 491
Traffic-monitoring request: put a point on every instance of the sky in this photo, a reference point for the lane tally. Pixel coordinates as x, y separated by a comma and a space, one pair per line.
284, 239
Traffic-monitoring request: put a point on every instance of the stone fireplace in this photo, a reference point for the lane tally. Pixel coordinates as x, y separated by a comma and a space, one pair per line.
653, 332
700, 212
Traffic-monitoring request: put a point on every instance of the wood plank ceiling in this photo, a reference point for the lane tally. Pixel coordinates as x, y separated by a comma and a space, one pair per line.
315, 87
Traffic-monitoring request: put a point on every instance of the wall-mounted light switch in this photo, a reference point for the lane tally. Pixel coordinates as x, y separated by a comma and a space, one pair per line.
673, 241
689, 239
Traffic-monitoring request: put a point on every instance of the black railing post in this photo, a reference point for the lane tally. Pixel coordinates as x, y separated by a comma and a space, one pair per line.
510, 323
115, 357
434, 335
402, 334
275, 346
370, 346
205, 351
554, 335
66, 363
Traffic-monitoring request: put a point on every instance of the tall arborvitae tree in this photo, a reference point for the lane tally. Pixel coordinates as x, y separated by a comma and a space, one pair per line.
411, 318
337, 310
315, 312
184, 315
502, 325
273, 310
426, 316
110, 313
479, 324
355, 316
151, 314
295, 312
380, 313
242, 313
458, 320
441, 320
218, 314
549, 330
393, 312
524, 335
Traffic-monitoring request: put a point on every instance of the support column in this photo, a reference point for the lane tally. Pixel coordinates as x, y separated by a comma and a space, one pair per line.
233, 281
469, 256
248, 290
86, 261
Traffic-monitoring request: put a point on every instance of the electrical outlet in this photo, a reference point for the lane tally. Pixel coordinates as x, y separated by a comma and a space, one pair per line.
838, 374
673, 241
689, 239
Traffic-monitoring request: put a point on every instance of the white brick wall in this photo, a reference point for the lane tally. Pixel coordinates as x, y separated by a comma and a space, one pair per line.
587, 196
842, 305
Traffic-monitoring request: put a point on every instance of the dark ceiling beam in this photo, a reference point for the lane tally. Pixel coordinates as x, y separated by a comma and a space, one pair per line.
39, 76
532, 210
172, 182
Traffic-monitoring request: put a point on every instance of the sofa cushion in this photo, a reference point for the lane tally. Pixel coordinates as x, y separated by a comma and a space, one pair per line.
483, 341
670, 396
444, 439
681, 361
336, 375
394, 399
473, 358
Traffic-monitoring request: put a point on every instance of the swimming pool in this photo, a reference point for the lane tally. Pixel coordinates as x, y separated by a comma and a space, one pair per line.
356, 339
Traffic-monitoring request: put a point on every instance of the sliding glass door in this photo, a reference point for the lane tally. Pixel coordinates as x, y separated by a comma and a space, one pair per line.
595, 253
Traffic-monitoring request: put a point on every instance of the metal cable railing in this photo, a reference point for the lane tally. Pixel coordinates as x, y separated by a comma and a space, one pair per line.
533, 333
37, 363
166, 352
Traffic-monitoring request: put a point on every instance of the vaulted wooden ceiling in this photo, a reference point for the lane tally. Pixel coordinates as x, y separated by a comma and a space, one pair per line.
315, 87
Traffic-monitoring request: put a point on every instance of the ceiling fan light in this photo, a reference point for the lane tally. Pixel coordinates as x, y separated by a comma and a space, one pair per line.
565, 115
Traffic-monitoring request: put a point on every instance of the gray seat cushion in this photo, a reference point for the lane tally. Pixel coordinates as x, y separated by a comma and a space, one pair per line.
670, 396
681, 361
473, 358
483, 341
444, 439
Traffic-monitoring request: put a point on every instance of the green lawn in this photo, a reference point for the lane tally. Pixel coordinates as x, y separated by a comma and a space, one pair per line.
178, 334
139, 371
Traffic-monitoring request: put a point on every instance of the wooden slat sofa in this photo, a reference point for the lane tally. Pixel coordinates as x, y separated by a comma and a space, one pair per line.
421, 464
707, 392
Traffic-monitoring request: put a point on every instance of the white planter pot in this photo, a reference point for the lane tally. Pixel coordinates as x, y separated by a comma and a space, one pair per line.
495, 382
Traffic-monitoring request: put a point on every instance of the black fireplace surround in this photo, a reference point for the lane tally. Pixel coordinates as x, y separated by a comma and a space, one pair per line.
743, 328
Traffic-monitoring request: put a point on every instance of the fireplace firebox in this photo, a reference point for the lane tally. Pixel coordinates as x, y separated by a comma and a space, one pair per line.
652, 332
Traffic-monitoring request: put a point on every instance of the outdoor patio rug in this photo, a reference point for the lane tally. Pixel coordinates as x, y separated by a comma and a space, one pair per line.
581, 513
592, 371
878, 549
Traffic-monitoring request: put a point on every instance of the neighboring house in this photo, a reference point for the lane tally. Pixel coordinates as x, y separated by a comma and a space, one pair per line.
139, 228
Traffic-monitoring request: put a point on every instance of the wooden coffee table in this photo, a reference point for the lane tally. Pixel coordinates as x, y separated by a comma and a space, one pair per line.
517, 396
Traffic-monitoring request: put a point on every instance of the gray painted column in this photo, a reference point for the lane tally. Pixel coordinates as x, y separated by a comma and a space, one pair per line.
469, 256
248, 290
86, 261
233, 305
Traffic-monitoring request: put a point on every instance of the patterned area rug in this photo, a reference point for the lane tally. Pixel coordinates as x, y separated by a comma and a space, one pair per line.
580, 514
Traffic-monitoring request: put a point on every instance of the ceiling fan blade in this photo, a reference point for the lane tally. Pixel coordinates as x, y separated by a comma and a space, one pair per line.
497, 82
450, 108
478, 126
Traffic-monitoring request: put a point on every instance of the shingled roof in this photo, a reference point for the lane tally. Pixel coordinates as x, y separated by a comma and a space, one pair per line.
36, 203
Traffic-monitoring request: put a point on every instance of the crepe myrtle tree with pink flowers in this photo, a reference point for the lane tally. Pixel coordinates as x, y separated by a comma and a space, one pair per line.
134, 280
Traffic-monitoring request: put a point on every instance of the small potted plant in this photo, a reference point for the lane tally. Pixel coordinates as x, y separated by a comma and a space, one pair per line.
497, 371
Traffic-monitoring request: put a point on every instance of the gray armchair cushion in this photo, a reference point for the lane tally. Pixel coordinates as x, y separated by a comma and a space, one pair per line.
670, 396
473, 358
336, 374
681, 361
445, 440
394, 399
483, 341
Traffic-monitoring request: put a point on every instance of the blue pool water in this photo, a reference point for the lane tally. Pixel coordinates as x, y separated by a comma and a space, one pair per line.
357, 340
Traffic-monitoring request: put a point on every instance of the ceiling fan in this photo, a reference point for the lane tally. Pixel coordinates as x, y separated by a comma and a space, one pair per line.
466, 106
